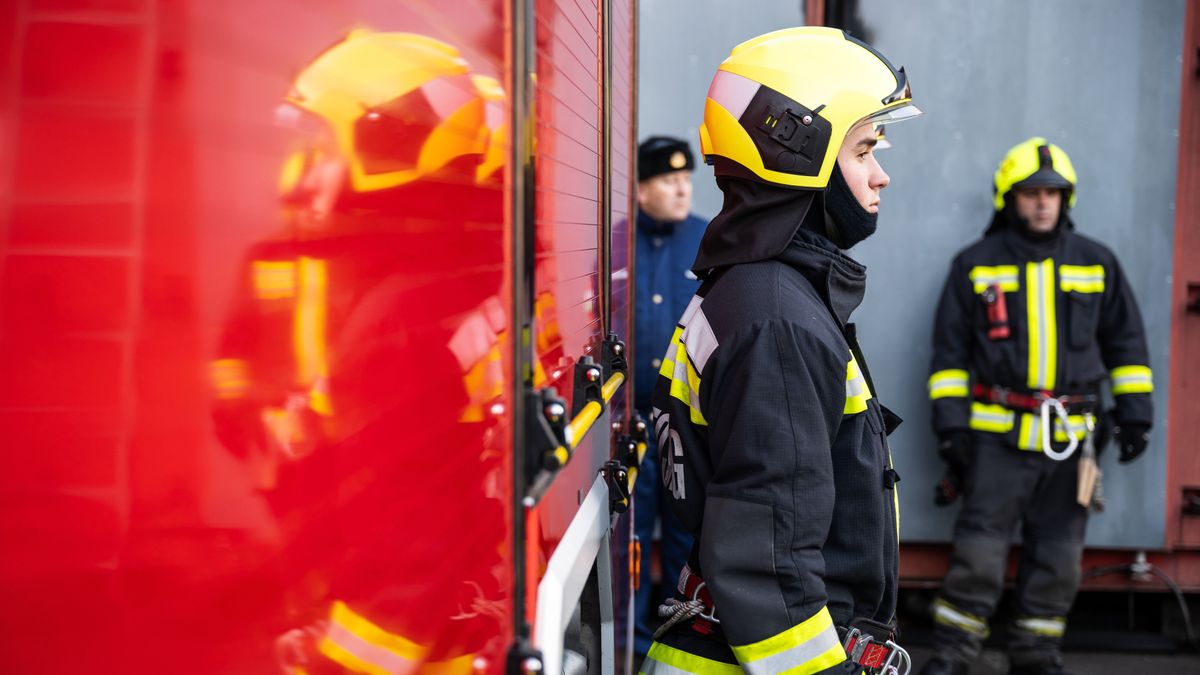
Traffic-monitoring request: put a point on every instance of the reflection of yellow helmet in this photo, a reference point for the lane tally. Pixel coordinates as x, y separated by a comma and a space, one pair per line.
497, 129
400, 106
1034, 163
782, 103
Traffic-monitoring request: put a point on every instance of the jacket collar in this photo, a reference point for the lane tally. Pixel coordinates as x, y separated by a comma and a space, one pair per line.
1032, 248
840, 280
653, 226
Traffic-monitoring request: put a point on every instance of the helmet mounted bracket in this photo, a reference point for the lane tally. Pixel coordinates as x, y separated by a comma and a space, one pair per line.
790, 137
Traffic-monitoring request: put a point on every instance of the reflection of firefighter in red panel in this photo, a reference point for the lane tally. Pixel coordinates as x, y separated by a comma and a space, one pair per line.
351, 368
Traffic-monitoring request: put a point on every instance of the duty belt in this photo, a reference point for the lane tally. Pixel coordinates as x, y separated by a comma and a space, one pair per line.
1031, 401
1043, 403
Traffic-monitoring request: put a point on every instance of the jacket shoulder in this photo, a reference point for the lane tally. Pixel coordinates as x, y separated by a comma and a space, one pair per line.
1091, 250
692, 229
768, 291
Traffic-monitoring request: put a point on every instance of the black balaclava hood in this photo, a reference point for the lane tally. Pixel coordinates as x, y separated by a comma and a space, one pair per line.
758, 220
1008, 219
850, 222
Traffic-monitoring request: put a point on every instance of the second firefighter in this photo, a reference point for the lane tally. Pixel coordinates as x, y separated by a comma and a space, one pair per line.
1034, 317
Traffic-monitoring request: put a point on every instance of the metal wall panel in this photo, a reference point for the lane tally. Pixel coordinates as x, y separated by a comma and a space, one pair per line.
1099, 78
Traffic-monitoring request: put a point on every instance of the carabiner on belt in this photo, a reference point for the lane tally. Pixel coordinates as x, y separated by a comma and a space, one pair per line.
1060, 412
712, 611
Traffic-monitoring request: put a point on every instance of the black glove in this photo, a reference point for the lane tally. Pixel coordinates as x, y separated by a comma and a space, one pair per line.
948, 488
957, 450
1132, 440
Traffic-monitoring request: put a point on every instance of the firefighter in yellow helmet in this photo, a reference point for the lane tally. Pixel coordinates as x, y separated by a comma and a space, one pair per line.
1032, 320
398, 150
772, 441
388, 129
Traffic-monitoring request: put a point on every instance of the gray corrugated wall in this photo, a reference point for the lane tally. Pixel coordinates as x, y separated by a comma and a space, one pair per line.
1098, 77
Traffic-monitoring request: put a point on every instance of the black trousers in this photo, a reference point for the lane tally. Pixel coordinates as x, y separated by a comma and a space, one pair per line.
1007, 486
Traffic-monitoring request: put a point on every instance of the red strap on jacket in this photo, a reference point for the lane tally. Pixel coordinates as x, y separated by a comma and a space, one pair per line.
874, 655
692, 586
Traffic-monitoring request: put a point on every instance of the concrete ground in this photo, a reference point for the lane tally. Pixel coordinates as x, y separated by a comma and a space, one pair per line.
1087, 663
1108, 633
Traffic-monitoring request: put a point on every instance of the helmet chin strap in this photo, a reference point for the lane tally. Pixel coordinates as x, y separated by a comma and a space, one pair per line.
846, 221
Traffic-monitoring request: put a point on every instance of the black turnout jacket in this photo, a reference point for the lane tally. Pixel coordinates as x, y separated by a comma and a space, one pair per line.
1072, 324
773, 446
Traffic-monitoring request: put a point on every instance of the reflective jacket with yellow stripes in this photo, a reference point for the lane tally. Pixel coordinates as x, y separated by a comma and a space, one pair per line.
1073, 323
774, 449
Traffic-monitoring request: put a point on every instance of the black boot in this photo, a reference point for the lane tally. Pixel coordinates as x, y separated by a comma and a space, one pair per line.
939, 666
1054, 667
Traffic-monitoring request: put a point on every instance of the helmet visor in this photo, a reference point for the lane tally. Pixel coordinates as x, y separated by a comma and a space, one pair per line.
1044, 178
900, 113
898, 105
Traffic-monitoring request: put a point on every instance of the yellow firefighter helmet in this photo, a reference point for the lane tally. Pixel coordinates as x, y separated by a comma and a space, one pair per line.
1034, 163
782, 103
400, 106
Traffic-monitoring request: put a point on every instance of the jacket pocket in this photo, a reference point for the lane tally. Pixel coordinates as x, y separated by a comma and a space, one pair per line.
1083, 316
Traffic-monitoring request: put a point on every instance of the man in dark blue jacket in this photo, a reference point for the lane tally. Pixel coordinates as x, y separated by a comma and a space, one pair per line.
668, 236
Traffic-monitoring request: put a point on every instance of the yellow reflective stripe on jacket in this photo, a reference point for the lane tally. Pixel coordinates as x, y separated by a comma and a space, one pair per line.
1081, 278
945, 383
1052, 626
895, 497
667, 369
310, 321
685, 381
1043, 324
1132, 380
1029, 435
230, 378
803, 649
949, 615
1007, 276
857, 391
319, 399
362, 647
691, 346
991, 417
274, 279
665, 660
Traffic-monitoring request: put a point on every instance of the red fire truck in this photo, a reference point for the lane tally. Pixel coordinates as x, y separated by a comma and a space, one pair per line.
312, 325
